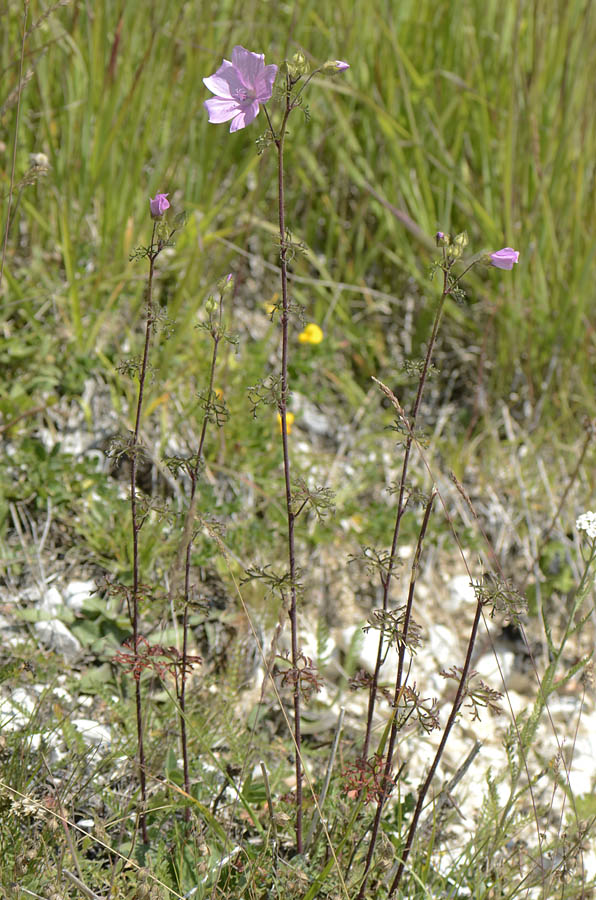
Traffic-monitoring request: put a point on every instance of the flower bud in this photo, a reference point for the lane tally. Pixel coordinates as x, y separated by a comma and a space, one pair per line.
299, 65
210, 304
333, 66
226, 284
504, 259
442, 239
461, 239
455, 251
158, 205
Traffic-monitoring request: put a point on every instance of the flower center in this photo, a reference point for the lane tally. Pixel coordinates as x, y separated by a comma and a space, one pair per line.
245, 95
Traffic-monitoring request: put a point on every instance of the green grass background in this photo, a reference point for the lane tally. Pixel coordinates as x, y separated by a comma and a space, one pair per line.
475, 115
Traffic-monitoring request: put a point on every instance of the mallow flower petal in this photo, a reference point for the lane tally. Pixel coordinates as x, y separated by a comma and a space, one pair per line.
249, 65
225, 82
221, 110
246, 115
264, 83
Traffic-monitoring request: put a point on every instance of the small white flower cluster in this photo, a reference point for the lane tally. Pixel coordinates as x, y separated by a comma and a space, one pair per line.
587, 522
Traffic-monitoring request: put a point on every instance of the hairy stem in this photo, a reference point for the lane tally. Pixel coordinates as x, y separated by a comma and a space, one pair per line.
401, 507
136, 527
283, 401
386, 781
459, 698
194, 474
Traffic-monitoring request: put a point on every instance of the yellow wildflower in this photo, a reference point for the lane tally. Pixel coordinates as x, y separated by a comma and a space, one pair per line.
289, 421
271, 305
312, 334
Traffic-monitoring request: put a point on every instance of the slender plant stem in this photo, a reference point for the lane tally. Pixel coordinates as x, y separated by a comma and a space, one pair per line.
459, 698
401, 507
282, 406
182, 703
136, 527
386, 780
194, 474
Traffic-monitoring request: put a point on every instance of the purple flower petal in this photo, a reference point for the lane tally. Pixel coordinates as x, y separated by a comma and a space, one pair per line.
221, 110
158, 205
264, 83
226, 81
505, 258
245, 116
248, 65
239, 87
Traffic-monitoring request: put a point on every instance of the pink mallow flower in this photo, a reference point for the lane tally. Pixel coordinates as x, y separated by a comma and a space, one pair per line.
158, 205
505, 258
239, 86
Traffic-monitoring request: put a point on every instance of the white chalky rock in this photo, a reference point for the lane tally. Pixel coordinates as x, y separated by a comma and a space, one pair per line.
367, 647
16, 710
309, 645
51, 601
11, 635
77, 592
55, 635
93, 732
460, 595
495, 667
442, 643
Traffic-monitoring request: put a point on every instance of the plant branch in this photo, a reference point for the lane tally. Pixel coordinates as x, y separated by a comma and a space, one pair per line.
283, 400
401, 506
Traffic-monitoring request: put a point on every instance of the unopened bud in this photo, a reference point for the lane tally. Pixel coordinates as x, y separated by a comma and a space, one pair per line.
333, 66
210, 304
226, 284
158, 205
299, 64
442, 239
461, 239
455, 251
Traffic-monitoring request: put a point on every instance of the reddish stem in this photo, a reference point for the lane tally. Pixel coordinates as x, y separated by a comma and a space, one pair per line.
291, 516
401, 507
136, 527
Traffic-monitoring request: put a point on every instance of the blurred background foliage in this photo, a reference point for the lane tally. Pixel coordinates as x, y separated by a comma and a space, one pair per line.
477, 115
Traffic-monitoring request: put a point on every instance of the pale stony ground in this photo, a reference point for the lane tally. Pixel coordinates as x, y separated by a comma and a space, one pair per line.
444, 608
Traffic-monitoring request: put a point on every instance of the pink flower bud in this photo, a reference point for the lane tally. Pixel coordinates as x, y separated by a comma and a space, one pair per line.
505, 258
333, 66
158, 205
226, 284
